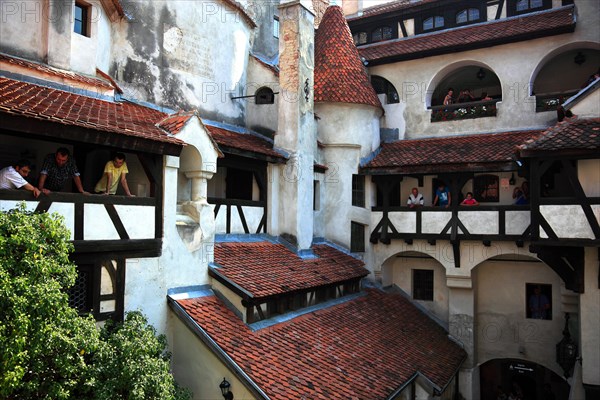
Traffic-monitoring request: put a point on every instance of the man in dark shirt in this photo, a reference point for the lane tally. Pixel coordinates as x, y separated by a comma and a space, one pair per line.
56, 170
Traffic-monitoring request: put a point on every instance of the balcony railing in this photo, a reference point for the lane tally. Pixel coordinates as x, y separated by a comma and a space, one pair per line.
239, 216
460, 111
99, 223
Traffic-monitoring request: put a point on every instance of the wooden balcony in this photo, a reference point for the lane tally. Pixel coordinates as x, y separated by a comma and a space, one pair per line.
120, 225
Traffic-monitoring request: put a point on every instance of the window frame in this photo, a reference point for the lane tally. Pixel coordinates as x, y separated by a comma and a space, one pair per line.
423, 287
264, 95
358, 190
434, 19
512, 7
85, 18
469, 20
357, 237
276, 26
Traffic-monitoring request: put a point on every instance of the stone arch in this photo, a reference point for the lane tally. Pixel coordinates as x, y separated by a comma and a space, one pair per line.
462, 75
507, 374
562, 60
412, 272
503, 326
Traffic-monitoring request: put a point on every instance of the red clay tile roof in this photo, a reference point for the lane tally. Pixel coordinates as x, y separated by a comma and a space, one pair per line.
389, 7
266, 269
48, 104
55, 72
573, 136
364, 348
231, 141
457, 153
174, 123
524, 27
340, 76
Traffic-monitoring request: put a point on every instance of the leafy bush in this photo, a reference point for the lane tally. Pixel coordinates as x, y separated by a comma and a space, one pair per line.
47, 351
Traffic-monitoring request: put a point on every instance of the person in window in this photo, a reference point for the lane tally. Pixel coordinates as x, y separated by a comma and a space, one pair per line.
415, 199
13, 177
57, 169
442, 196
539, 305
115, 170
465, 96
485, 97
469, 200
448, 99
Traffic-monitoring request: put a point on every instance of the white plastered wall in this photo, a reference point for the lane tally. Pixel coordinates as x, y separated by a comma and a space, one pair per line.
261, 117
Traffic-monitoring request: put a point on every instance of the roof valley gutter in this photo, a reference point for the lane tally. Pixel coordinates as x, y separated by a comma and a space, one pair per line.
396, 392
222, 355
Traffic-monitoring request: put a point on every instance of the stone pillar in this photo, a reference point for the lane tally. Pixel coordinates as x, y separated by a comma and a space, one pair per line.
462, 327
199, 185
296, 132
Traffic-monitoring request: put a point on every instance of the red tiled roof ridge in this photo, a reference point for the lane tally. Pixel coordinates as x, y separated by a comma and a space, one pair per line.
340, 76
56, 72
388, 7
571, 134
543, 21
243, 140
246, 264
67, 108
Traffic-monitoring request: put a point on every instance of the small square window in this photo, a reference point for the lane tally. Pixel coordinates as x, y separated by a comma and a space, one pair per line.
423, 284
81, 19
357, 237
539, 301
358, 190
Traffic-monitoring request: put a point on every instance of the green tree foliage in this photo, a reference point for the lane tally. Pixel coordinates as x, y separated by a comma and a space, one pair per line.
47, 351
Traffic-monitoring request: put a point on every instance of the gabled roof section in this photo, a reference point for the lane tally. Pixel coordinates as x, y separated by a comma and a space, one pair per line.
113, 8
482, 152
513, 29
264, 268
243, 143
365, 348
572, 137
34, 109
340, 76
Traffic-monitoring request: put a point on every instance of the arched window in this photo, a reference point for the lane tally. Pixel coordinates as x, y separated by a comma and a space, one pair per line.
467, 15
383, 86
264, 95
382, 33
360, 38
433, 23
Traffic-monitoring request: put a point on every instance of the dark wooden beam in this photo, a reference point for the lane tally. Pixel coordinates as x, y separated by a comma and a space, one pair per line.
116, 220
132, 248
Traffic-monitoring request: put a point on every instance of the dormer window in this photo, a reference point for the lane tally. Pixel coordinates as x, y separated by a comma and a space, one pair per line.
516, 7
434, 22
360, 38
82, 19
382, 33
467, 15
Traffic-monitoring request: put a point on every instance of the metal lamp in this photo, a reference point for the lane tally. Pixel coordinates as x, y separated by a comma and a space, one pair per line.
566, 350
226, 390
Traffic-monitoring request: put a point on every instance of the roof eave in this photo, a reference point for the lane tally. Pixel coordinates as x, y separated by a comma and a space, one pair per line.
429, 169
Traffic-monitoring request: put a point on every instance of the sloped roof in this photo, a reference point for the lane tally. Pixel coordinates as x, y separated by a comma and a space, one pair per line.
390, 7
266, 269
364, 348
525, 27
340, 76
490, 151
61, 74
42, 103
238, 143
570, 136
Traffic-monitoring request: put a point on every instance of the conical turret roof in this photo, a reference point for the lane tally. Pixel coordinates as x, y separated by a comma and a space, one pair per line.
340, 76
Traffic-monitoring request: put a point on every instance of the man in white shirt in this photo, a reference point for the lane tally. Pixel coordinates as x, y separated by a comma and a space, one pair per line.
415, 199
13, 177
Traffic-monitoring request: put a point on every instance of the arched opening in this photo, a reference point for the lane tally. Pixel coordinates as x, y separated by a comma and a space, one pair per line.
465, 91
564, 74
506, 376
264, 95
383, 86
421, 277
